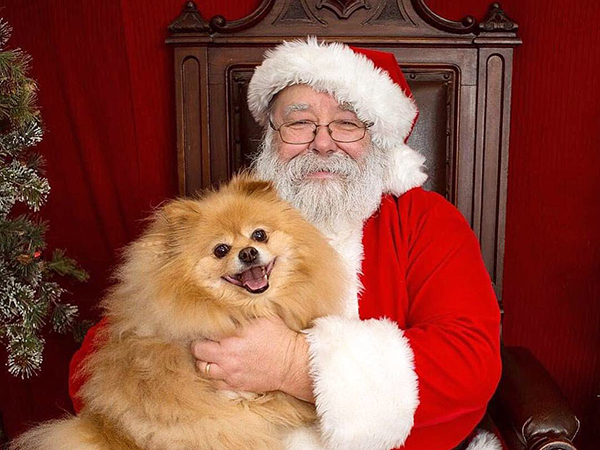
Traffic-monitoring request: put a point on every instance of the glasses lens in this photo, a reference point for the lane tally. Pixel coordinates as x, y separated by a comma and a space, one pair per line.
300, 132
346, 130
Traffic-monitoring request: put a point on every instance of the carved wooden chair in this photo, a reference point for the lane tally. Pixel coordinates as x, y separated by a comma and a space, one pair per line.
460, 74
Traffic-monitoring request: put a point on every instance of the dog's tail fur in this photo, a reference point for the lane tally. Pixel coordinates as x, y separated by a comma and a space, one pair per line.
72, 433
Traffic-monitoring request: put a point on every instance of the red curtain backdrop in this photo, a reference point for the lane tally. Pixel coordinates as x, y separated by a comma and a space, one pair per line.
106, 92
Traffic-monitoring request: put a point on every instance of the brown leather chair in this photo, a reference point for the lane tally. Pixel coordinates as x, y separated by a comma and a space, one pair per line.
460, 74
528, 408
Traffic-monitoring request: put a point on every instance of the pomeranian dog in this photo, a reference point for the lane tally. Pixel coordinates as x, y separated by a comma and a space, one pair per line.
203, 269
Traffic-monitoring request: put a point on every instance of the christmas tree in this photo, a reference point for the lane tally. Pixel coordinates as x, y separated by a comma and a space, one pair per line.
30, 296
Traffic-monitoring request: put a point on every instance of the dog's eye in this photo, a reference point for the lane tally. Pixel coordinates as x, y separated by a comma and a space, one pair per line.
221, 250
259, 235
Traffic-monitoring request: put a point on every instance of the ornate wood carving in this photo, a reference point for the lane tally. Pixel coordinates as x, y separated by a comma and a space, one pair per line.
466, 25
244, 137
189, 21
297, 11
491, 158
221, 25
389, 20
191, 93
240, 80
390, 11
343, 8
497, 20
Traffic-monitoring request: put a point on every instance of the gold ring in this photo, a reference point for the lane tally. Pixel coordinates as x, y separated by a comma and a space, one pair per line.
207, 369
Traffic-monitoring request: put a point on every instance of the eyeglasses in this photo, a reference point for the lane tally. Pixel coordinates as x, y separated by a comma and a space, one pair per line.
305, 131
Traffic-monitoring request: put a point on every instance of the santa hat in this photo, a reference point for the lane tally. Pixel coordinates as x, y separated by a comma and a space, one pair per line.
371, 81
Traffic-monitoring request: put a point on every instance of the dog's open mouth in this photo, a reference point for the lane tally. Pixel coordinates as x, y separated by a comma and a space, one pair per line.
255, 279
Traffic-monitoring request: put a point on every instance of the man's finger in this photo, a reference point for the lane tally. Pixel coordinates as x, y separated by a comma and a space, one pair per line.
209, 370
223, 386
206, 350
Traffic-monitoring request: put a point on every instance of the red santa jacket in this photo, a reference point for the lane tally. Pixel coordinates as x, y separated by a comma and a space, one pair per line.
422, 377
419, 367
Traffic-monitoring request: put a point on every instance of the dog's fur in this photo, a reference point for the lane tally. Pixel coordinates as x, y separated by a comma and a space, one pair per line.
143, 391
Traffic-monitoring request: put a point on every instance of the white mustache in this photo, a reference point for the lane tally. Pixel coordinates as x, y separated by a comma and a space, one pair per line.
337, 163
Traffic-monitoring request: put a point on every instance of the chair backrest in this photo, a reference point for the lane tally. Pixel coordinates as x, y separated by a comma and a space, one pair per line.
460, 74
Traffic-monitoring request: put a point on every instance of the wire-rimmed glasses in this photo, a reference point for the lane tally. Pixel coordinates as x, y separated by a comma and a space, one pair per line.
304, 131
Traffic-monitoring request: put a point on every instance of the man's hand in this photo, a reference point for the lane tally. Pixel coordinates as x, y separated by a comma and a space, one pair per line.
265, 356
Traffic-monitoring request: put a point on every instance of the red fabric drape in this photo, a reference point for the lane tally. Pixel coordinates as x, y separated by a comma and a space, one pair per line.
106, 91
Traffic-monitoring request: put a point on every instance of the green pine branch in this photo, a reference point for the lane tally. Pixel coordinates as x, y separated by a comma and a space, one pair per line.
30, 282
5, 32
65, 266
17, 142
24, 232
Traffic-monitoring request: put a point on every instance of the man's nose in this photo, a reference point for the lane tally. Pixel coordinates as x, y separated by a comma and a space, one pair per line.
323, 142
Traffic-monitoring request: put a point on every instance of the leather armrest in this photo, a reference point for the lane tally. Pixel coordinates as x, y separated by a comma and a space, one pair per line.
529, 408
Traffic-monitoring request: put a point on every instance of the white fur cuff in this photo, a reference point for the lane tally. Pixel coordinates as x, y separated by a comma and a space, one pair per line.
365, 383
484, 440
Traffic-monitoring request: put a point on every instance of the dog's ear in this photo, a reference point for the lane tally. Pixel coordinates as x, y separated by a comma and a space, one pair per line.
169, 221
247, 183
178, 213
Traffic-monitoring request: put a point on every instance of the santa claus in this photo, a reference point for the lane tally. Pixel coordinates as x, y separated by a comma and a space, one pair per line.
415, 359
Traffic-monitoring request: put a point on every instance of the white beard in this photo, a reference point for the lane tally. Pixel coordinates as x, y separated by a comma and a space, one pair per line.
350, 198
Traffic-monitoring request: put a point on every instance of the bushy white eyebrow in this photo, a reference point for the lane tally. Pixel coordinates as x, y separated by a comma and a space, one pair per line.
347, 107
295, 107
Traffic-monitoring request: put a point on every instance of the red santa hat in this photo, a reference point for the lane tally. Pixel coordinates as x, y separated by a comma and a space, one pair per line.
371, 81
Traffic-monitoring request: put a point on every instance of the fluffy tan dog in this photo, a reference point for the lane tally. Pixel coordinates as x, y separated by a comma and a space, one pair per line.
203, 268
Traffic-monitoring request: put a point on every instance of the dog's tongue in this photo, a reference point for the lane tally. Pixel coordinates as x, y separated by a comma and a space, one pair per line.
254, 278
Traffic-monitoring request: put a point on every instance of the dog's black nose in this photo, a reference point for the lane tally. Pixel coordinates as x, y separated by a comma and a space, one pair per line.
248, 255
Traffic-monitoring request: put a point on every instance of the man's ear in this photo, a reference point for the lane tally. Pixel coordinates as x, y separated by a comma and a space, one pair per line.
247, 183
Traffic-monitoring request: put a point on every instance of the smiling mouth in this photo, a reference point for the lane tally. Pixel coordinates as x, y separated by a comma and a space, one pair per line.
255, 279
321, 174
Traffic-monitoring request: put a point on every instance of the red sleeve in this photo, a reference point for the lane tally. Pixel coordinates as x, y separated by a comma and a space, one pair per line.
76, 376
453, 321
